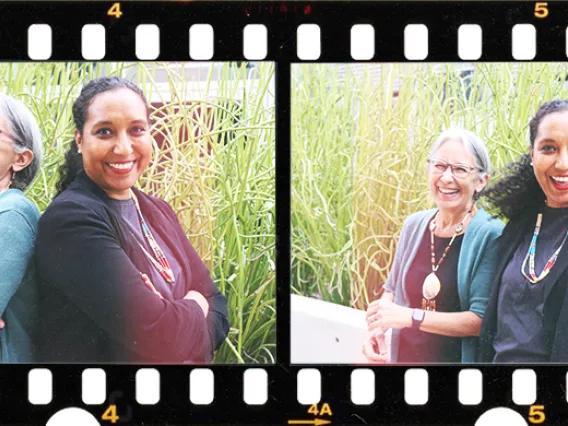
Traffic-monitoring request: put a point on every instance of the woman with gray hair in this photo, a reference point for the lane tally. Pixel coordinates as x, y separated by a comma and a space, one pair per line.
435, 295
20, 157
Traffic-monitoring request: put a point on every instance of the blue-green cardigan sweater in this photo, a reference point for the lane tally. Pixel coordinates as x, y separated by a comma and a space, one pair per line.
476, 268
18, 224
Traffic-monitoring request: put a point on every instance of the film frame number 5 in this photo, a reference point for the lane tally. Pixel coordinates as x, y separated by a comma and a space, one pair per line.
541, 9
536, 414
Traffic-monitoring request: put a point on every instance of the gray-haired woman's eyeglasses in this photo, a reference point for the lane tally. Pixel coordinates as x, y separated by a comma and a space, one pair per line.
459, 171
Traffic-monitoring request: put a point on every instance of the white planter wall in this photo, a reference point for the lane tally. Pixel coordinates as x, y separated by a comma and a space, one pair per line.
326, 333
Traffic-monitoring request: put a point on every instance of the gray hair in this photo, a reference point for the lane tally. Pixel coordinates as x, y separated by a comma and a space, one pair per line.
25, 133
471, 142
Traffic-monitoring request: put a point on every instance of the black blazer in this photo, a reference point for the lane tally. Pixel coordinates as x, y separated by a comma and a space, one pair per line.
93, 305
556, 297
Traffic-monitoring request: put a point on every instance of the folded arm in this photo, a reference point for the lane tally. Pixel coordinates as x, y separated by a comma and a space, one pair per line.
79, 253
201, 281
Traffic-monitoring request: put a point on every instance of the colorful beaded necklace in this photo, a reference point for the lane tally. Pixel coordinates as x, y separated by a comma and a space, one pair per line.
533, 279
159, 261
432, 285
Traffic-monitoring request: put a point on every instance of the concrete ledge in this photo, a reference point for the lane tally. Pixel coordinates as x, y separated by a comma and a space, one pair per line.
326, 333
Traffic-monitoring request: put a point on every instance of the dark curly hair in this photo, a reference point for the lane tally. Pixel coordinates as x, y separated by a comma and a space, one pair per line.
519, 192
73, 164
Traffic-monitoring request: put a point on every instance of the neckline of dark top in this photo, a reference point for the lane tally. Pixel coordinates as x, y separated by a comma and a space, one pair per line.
555, 212
447, 238
128, 202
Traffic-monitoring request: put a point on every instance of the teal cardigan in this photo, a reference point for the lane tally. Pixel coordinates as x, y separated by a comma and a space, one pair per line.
18, 223
476, 268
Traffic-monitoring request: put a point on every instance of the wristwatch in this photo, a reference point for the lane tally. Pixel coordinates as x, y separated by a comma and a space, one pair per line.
417, 318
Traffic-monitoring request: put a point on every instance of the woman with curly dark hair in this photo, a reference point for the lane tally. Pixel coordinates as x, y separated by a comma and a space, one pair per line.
527, 314
118, 279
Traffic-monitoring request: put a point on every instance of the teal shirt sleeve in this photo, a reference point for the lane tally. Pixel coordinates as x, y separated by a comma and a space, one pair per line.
17, 241
484, 273
476, 273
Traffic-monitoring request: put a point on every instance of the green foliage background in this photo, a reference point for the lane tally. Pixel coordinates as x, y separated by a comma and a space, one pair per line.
215, 167
361, 135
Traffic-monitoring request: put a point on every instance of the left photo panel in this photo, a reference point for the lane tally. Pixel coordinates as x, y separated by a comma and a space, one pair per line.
137, 205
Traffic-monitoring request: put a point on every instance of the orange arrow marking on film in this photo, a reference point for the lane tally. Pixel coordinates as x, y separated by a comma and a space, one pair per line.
316, 422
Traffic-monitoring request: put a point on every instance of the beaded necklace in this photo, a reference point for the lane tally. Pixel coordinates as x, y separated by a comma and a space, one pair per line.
533, 279
432, 285
159, 261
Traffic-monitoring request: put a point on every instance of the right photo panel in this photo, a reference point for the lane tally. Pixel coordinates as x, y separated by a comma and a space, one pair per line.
429, 213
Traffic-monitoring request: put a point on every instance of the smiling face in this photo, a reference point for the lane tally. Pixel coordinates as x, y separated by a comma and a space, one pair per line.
451, 193
550, 158
115, 142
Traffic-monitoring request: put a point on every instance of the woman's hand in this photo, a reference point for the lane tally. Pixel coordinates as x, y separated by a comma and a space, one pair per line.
373, 306
201, 301
191, 295
150, 286
372, 311
375, 347
384, 314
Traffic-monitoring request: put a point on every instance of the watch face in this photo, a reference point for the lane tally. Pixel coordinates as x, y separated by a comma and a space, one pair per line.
418, 315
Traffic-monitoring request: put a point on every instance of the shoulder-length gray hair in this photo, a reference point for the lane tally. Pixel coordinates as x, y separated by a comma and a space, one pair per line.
471, 142
25, 133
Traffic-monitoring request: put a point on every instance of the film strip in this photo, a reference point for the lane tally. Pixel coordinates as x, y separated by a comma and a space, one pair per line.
292, 35
287, 33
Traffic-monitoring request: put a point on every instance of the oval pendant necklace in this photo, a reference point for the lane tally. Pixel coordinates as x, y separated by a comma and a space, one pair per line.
432, 285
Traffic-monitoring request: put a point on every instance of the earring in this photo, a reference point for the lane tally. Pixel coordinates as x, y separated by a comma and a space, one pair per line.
79, 151
531, 163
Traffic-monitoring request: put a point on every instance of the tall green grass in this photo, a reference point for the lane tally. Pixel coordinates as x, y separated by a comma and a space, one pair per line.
360, 139
214, 164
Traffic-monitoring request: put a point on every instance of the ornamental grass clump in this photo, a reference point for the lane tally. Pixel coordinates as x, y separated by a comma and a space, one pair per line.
361, 135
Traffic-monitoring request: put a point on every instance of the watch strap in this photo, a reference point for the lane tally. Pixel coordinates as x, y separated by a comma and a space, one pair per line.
417, 318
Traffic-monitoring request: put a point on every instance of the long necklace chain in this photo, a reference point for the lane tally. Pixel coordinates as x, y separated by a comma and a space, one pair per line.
432, 285
459, 228
159, 261
532, 252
